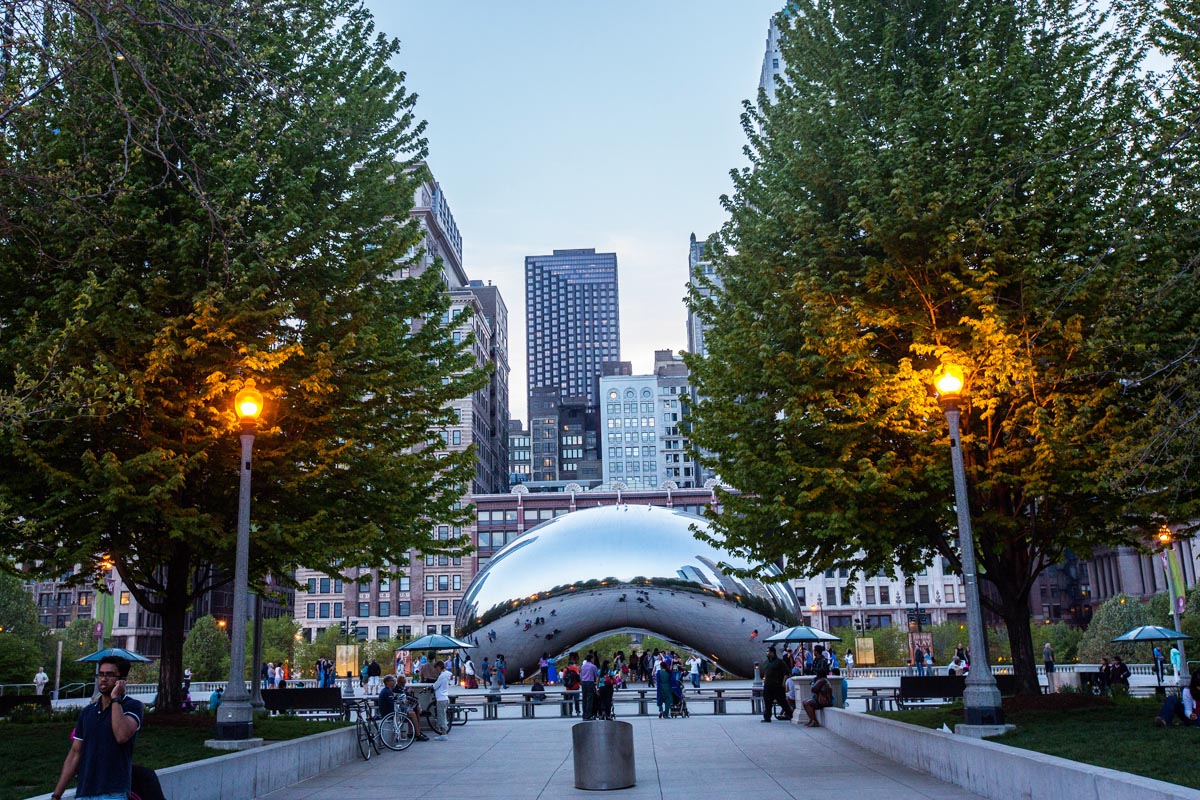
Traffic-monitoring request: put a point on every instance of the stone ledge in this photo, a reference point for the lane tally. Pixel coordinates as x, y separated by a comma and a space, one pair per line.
994, 770
252, 773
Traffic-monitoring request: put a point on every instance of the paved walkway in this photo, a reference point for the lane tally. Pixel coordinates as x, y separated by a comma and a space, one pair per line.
688, 759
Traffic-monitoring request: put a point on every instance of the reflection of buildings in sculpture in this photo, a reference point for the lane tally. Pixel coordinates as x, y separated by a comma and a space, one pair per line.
617, 568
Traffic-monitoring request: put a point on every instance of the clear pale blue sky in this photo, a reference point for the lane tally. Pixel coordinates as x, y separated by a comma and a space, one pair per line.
566, 124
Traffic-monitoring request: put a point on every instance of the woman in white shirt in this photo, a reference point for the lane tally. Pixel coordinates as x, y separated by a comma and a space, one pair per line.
1182, 706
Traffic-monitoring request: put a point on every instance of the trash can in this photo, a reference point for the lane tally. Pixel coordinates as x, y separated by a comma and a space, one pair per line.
603, 754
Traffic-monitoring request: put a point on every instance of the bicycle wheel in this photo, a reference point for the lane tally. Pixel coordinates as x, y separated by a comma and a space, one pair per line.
375, 733
431, 713
364, 739
396, 731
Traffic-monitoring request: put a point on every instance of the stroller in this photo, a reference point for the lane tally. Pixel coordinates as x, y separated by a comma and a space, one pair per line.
604, 704
678, 703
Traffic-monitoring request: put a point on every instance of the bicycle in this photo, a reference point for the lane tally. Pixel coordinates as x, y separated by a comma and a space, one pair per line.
430, 715
367, 727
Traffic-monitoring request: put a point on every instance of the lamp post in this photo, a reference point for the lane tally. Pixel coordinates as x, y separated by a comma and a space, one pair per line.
1167, 539
815, 608
235, 718
981, 697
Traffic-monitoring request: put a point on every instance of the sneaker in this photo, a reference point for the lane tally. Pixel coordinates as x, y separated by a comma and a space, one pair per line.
1160, 722
422, 738
441, 738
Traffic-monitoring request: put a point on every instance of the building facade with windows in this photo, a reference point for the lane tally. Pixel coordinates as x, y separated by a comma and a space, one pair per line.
642, 427
881, 600
520, 453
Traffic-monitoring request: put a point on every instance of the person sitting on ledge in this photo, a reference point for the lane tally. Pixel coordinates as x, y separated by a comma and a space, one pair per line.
537, 692
1182, 706
822, 697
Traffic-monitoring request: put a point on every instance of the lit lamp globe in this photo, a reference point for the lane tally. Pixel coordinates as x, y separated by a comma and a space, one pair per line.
248, 404
949, 381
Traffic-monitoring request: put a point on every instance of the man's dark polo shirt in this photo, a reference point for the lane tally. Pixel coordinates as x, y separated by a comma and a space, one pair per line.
105, 767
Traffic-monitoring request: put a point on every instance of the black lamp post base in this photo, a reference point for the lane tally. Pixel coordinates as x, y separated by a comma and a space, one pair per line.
983, 715
235, 730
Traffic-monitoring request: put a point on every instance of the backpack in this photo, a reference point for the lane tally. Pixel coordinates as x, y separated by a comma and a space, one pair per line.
570, 679
824, 695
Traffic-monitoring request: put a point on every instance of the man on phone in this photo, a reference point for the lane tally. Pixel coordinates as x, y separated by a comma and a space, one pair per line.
102, 743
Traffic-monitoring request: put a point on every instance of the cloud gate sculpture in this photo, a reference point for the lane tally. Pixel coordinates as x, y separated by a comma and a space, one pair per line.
596, 571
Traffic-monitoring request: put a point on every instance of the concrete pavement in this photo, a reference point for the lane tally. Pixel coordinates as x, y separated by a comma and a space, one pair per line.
689, 759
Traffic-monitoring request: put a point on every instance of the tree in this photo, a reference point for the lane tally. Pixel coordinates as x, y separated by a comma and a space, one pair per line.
246, 233
1115, 616
18, 611
206, 651
77, 641
938, 183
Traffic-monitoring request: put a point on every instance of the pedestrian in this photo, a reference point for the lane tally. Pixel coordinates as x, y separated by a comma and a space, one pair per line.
441, 694
40, 680
500, 668
101, 753
822, 697
187, 679
280, 677
1182, 705
266, 674
918, 660
662, 685
1048, 658
1157, 655
1175, 660
694, 670
543, 662
469, 671
1118, 674
774, 673
849, 663
374, 672
587, 685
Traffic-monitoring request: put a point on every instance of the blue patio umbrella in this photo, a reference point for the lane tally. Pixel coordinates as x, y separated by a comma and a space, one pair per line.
119, 652
436, 641
1150, 633
803, 633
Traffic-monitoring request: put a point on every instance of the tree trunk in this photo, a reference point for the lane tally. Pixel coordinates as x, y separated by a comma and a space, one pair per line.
175, 602
1015, 612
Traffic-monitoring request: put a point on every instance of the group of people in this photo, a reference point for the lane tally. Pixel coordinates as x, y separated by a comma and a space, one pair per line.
395, 696
782, 685
274, 676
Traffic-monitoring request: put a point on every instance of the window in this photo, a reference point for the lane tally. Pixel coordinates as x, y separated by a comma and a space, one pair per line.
337, 585
312, 611
124, 599
404, 583
443, 608
884, 595
923, 592
324, 585
337, 610
443, 582
456, 604
909, 594
312, 585
123, 619
800, 592
324, 610
385, 584
831, 596
430, 582
949, 593
364, 609
383, 632
404, 608
385, 608
870, 593
443, 561
429, 608
430, 560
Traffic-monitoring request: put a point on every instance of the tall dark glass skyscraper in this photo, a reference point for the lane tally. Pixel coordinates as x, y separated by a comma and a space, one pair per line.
572, 328
572, 322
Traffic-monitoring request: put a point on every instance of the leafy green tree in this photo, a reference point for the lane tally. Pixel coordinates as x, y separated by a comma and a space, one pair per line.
18, 611
206, 650
939, 183
77, 641
1115, 616
258, 246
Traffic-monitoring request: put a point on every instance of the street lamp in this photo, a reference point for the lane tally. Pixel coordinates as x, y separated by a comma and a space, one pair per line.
981, 697
235, 718
815, 608
1167, 539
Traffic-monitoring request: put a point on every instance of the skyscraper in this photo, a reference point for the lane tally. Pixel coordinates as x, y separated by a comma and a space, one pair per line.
772, 66
572, 321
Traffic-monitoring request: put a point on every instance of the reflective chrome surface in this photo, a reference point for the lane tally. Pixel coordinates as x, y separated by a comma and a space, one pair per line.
615, 568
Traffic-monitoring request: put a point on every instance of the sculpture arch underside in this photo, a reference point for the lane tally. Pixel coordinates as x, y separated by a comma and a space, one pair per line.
584, 575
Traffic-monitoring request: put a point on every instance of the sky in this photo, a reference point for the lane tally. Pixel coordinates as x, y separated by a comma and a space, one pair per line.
583, 123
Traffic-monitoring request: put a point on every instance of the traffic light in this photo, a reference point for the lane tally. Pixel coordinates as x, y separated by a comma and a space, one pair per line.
866, 623
342, 627
354, 627
858, 624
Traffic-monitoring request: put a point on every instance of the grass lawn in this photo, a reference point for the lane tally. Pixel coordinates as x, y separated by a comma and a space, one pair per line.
32, 753
1119, 734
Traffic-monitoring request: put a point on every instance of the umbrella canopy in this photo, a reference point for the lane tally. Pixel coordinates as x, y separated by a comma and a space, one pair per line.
803, 633
436, 641
1150, 633
119, 652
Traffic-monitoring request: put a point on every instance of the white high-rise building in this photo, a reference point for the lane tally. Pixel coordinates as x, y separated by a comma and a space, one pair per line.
772, 65
641, 423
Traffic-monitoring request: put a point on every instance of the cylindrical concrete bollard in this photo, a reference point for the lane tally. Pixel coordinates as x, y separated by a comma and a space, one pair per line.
603, 754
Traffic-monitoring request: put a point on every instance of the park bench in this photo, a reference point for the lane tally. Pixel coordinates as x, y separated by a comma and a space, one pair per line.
9, 702
309, 702
925, 689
